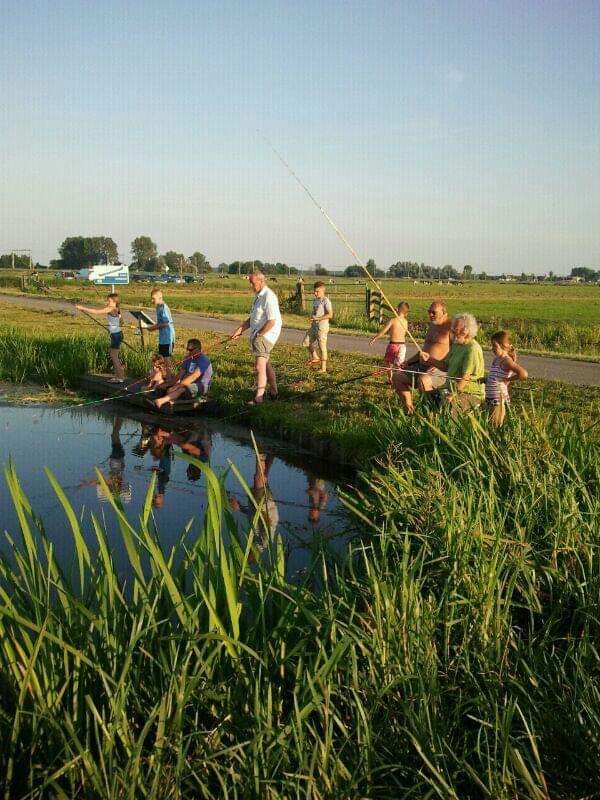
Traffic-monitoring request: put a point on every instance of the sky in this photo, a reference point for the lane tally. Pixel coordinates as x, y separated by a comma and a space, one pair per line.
455, 132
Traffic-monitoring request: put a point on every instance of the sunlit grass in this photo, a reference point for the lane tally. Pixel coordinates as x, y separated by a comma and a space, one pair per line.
544, 317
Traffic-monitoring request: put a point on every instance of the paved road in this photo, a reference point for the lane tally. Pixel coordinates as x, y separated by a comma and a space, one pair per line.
580, 373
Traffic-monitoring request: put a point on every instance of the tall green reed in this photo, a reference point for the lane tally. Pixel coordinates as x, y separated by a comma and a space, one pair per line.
452, 654
59, 360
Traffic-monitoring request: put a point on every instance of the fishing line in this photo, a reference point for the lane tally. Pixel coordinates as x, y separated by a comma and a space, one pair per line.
120, 395
105, 329
339, 233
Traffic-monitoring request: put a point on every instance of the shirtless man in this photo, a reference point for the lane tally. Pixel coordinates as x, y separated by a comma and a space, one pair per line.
437, 344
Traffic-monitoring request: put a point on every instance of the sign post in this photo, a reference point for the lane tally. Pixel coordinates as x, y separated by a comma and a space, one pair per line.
109, 275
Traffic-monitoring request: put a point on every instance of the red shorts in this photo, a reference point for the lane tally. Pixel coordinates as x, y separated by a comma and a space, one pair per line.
395, 354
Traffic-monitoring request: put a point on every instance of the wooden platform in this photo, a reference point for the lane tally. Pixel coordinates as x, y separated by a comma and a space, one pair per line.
102, 386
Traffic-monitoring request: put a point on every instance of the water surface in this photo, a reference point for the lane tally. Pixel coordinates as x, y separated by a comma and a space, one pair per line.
298, 495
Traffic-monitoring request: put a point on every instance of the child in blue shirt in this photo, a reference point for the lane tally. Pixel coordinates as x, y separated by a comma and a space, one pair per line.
164, 326
194, 377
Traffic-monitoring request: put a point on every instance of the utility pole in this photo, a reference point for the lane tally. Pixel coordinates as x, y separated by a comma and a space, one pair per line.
16, 252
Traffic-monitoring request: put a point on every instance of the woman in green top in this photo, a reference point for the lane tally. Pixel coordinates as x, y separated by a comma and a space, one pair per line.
463, 365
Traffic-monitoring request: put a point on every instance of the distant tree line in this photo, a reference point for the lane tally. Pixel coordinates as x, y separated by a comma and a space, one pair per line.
19, 262
586, 273
77, 252
246, 267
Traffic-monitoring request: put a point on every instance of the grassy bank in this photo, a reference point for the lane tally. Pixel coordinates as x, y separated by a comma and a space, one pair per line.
549, 318
451, 655
334, 415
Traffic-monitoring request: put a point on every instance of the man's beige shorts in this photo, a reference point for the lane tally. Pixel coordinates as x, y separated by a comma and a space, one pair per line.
260, 346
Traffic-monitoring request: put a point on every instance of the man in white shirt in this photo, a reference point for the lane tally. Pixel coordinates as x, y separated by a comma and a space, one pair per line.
264, 323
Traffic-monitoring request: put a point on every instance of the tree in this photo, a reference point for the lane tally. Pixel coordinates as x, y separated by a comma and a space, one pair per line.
448, 271
222, 267
467, 272
586, 273
319, 270
86, 251
200, 263
353, 271
20, 262
144, 253
173, 260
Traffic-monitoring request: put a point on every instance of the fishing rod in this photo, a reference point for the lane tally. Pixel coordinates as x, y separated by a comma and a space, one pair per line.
123, 393
105, 329
340, 235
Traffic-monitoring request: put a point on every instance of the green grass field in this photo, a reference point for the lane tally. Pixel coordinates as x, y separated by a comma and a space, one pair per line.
55, 348
544, 317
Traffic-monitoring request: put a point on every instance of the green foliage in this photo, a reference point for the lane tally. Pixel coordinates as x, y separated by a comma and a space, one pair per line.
586, 273
452, 655
144, 253
77, 252
8, 261
173, 260
58, 360
200, 263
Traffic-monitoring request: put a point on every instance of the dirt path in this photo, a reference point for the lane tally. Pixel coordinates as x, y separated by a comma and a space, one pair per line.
580, 373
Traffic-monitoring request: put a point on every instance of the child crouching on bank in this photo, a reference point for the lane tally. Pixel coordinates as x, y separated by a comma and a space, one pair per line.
194, 377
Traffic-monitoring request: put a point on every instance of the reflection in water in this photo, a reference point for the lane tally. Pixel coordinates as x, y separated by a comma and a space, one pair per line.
115, 480
261, 508
297, 505
317, 493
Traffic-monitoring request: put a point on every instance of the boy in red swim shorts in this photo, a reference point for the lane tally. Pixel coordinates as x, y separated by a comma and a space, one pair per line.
396, 328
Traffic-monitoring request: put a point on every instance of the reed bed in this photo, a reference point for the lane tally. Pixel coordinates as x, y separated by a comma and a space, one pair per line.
59, 360
452, 654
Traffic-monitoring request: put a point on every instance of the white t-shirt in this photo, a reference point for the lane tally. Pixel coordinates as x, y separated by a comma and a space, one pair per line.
264, 308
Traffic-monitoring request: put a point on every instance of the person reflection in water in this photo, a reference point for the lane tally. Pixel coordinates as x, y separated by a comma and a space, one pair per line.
115, 478
162, 450
266, 525
318, 497
195, 443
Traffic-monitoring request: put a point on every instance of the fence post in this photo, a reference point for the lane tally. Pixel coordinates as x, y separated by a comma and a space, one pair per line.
300, 295
374, 306
368, 301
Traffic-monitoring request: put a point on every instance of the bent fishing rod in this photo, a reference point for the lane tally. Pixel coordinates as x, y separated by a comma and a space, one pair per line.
340, 235
105, 329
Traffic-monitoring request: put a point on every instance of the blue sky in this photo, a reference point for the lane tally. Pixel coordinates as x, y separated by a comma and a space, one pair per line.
443, 132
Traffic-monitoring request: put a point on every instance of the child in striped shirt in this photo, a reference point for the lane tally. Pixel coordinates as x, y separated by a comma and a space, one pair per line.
503, 370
